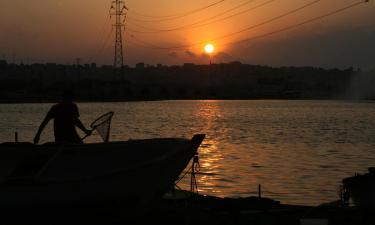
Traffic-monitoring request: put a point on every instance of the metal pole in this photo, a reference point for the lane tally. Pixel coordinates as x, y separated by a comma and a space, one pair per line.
260, 191
118, 9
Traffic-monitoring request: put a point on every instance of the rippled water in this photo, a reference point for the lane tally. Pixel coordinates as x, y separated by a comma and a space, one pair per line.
299, 151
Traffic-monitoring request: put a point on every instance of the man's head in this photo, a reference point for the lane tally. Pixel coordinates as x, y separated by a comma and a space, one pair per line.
68, 96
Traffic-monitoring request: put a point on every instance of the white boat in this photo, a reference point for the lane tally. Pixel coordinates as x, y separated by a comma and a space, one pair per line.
134, 172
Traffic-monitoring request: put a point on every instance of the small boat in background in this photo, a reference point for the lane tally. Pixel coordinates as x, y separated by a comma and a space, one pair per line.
133, 173
361, 189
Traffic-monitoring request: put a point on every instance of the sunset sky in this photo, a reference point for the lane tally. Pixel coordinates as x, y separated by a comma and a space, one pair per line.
173, 32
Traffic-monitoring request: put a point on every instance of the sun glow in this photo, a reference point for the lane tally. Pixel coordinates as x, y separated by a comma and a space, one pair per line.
209, 48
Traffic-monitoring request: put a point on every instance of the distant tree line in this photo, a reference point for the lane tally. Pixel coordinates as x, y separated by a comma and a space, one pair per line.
45, 82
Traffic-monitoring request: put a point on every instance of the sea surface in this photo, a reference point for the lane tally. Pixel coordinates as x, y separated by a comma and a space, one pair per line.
299, 151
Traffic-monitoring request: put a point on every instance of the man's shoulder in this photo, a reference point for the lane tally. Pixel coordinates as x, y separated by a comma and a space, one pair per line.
54, 107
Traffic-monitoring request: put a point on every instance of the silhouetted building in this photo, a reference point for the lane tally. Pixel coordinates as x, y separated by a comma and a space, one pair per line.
3, 63
140, 66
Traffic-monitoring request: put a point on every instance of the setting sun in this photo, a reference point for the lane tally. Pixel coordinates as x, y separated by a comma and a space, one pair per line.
209, 48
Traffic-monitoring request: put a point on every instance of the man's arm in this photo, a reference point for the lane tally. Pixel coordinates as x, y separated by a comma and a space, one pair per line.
78, 122
82, 127
41, 128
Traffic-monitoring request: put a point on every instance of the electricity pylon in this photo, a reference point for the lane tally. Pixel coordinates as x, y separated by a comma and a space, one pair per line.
118, 9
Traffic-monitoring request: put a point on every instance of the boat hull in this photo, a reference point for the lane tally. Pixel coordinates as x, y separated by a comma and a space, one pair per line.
121, 173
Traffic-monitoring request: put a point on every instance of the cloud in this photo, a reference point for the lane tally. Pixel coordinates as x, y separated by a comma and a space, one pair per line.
173, 54
220, 57
190, 54
223, 57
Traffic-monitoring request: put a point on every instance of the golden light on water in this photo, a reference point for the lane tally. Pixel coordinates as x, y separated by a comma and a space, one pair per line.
209, 48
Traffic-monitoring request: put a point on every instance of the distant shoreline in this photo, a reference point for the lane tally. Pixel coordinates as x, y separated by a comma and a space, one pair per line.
208, 99
44, 83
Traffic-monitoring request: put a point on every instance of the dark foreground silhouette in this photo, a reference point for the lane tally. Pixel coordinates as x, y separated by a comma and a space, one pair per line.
201, 210
55, 182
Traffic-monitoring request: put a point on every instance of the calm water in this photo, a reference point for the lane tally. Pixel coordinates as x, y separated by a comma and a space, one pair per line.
298, 150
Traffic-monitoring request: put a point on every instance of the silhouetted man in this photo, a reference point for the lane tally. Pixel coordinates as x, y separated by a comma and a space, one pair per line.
66, 117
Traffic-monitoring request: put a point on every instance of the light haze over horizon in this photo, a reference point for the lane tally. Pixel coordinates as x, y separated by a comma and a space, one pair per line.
60, 31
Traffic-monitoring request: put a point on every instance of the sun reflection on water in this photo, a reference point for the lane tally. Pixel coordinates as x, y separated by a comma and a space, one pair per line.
208, 112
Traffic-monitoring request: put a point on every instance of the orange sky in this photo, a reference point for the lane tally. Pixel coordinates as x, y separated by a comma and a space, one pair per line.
62, 30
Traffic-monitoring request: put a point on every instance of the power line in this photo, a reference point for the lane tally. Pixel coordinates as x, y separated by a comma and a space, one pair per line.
192, 24
271, 20
105, 43
246, 29
269, 33
103, 32
179, 14
175, 16
237, 14
301, 23
206, 21
137, 42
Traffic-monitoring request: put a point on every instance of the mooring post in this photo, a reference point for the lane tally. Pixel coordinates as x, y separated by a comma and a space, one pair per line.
16, 137
260, 191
